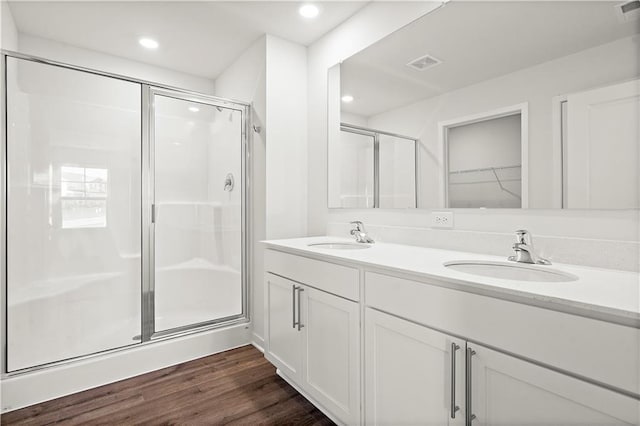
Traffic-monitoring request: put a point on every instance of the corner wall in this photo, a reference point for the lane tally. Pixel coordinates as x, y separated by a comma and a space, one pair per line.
8, 30
272, 75
245, 80
8, 41
287, 139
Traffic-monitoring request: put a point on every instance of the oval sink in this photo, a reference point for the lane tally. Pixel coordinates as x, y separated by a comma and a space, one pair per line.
510, 271
340, 246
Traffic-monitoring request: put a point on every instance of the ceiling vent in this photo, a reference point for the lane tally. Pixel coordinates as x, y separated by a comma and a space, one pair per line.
628, 11
424, 62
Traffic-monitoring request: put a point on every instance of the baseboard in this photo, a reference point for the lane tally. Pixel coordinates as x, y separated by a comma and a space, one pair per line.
43, 385
258, 342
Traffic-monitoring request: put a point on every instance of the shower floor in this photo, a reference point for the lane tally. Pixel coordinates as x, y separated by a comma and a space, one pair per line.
233, 387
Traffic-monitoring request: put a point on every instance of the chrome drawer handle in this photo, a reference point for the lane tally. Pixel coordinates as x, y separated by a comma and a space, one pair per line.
293, 304
300, 290
470, 416
454, 407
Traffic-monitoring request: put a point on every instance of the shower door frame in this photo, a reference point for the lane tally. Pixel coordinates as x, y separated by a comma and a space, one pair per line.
375, 134
147, 197
148, 293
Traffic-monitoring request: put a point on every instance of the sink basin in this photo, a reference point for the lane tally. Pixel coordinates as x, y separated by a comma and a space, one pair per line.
510, 271
340, 246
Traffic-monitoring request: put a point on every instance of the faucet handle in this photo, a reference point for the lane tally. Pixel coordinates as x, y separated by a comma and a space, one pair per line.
523, 237
359, 225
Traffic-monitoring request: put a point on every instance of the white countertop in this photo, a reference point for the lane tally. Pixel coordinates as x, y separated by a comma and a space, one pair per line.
599, 293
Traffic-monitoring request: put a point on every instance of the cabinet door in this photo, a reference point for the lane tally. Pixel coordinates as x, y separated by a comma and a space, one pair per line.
331, 327
284, 340
508, 391
409, 371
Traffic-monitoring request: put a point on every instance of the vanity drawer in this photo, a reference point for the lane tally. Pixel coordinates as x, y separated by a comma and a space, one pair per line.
599, 350
340, 280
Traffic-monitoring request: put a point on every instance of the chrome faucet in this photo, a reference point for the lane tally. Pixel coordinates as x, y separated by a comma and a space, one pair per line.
524, 250
359, 232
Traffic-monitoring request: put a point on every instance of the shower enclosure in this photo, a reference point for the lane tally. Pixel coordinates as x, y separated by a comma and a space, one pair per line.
124, 212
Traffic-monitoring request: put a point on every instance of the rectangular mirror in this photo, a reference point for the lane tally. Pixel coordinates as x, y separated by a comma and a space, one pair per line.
540, 111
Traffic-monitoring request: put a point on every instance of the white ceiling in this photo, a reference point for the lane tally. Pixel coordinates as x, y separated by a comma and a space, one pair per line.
476, 41
200, 38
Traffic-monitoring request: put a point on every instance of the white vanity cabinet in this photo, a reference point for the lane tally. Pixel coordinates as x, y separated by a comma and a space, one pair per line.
505, 390
313, 336
331, 355
438, 353
497, 389
284, 347
413, 375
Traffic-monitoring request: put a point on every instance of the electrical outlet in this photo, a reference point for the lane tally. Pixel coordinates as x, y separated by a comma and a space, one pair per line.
442, 220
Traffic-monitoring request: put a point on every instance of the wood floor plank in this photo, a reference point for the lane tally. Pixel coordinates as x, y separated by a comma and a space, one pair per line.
237, 387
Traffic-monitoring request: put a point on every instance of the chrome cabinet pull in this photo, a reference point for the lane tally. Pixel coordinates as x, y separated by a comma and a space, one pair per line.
293, 304
454, 407
300, 290
470, 416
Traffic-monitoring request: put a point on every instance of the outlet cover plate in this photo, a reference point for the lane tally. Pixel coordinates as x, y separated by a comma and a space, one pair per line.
442, 220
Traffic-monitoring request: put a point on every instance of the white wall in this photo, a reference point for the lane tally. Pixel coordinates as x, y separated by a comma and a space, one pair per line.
61, 52
8, 30
245, 79
9, 41
272, 75
287, 135
372, 23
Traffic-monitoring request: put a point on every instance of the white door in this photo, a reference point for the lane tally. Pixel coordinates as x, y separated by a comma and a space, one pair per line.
409, 371
601, 147
331, 327
284, 339
508, 391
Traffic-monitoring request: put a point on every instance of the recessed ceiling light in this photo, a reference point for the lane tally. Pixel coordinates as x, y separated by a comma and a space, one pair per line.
309, 11
194, 109
148, 43
347, 98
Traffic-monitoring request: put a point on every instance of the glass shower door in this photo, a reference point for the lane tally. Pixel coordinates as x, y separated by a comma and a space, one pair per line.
73, 213
197, 214
356, 156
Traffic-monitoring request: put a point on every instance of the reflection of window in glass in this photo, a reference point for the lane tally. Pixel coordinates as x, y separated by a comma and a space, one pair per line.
84, 197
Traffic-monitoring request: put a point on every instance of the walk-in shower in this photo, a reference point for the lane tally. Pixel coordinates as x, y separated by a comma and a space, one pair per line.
124, 212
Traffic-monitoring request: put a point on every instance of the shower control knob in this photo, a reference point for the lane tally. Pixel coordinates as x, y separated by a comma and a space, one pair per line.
229, 182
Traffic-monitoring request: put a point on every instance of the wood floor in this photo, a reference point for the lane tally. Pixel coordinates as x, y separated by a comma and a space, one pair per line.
235, 387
